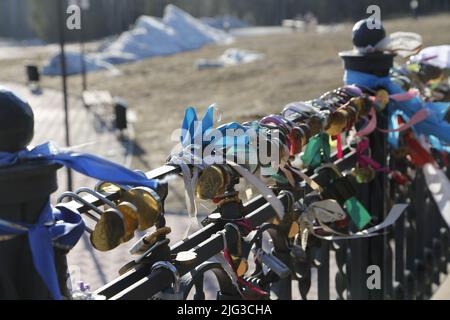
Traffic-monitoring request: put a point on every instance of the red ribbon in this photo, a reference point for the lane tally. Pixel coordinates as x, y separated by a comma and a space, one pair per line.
242, 281
245, 223
419, 156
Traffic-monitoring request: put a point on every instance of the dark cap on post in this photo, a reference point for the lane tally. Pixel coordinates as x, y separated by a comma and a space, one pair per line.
363, 36
373, 61
16, 122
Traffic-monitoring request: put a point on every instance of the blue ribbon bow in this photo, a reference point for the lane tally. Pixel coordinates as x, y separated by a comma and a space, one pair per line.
194, 131
71, 226
434, 126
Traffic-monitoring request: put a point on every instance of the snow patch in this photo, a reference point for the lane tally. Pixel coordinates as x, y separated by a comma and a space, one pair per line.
231, 57
176, 32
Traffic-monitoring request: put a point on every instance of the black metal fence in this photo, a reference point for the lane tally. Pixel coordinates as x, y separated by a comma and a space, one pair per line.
412, 255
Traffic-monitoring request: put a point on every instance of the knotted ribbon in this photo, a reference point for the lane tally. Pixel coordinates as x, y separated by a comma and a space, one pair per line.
70, 225
194, 136
43, 234
432, 125
365, 160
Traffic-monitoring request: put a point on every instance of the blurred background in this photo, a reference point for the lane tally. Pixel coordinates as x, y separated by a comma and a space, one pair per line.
133, 66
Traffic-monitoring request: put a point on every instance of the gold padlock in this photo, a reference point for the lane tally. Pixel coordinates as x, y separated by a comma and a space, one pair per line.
108, 231
148, 205
130, 217
108, 188
360, 105
315, 125
211, 183
337, 122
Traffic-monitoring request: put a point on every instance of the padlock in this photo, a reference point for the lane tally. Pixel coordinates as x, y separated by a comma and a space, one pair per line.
362, 105
336, 122
297, 139
273, 263
212, 182
240, 263
109, 230
108, 188
148, 204
146, 201
130, 217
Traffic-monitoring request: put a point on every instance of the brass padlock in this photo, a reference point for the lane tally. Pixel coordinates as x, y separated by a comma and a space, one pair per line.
211, 183
148, 205
130, 217
108, 231
360, 104
108, 188
146, 201
336, 123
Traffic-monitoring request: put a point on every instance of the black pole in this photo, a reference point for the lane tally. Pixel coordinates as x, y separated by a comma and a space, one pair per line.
64, 83
83, 62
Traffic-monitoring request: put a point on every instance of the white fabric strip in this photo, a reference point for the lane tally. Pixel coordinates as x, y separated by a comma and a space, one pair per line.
261, 187
439, 186
393, 215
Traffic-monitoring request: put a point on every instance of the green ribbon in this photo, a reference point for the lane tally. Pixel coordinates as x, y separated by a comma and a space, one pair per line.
359, 215
317, 151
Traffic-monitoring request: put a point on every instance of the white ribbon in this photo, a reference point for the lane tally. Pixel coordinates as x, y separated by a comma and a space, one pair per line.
402, 43
260, 186
439, 186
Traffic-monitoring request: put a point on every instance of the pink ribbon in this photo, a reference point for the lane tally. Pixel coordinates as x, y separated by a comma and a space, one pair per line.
340, 152
419, 116
371, 125
405, 96
364, 160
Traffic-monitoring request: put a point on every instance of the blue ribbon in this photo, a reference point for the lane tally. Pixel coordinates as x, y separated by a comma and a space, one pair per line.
87, 164
43, 234
70, 230
194, 131
434, 125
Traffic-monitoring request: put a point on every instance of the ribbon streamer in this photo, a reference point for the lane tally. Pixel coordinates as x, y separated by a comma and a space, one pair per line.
40, 234
439, 186
393, 216
43, 235
431, 125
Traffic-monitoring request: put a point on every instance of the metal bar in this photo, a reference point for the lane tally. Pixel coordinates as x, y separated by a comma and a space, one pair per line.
146, 286
323, 272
